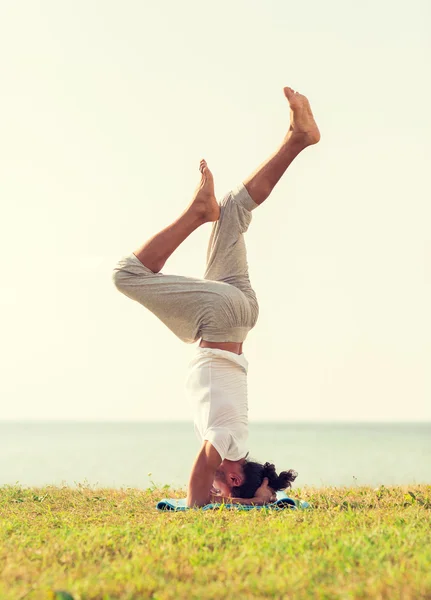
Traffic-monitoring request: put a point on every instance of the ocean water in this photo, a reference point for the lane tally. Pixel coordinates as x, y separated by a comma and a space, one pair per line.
138, 454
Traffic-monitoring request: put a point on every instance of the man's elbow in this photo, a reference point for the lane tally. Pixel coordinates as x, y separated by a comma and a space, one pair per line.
198, 494
195, 502
202, 476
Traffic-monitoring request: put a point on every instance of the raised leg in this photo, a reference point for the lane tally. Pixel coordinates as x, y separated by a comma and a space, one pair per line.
203, 208
227, 254
190, 307
303, 132
181, 303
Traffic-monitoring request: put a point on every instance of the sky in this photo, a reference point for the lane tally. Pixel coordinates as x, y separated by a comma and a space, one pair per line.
107, 109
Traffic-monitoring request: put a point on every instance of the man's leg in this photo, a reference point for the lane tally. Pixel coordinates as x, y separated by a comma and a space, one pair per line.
202, 209
303, 132
181, 303
227, 255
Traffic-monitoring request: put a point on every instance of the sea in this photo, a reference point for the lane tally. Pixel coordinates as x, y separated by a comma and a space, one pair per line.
143, 455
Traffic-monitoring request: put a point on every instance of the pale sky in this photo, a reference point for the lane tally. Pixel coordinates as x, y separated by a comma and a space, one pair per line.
107, 108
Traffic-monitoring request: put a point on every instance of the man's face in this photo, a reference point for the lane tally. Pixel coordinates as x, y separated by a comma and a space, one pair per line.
228, 475
220, 483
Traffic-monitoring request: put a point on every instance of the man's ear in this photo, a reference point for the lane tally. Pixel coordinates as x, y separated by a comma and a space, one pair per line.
235, 480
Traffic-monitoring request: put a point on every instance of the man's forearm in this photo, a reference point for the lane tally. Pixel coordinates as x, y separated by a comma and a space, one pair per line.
199, 488
227, 500
202, 476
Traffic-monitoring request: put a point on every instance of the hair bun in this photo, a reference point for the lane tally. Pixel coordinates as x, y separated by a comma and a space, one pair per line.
269, 470
286, 478
278, 482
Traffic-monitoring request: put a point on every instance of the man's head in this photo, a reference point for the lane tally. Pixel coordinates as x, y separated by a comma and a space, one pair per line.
230, 474
241, 478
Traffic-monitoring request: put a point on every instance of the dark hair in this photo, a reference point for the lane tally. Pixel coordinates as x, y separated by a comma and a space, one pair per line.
255, 473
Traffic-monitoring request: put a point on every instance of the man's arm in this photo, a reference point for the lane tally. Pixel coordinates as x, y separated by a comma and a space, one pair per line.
262, 495
227, 500
202, 476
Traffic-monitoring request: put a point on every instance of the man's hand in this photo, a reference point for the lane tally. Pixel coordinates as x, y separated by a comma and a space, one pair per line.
265, 493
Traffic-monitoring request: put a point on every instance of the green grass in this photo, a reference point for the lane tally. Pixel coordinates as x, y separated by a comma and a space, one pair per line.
106, 544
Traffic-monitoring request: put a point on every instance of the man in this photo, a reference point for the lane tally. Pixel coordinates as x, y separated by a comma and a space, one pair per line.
219, 310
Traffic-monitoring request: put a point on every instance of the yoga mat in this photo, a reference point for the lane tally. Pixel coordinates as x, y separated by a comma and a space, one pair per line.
283, 501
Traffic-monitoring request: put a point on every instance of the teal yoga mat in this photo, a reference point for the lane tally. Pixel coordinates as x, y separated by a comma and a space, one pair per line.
283, 501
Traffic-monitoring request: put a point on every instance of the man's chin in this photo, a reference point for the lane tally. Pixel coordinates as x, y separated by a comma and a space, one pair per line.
215, 491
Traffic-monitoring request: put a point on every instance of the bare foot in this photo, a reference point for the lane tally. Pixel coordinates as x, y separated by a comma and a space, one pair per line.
302, 123
204, 201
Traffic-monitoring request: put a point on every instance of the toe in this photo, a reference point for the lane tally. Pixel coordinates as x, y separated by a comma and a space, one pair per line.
288, 92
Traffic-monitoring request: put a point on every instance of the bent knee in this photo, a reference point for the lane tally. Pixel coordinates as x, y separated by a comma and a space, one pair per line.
120, 279
129, 274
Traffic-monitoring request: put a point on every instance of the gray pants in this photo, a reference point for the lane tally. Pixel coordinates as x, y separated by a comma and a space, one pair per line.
223, 306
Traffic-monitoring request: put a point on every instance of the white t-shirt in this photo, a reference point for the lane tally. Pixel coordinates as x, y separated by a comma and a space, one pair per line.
217, 389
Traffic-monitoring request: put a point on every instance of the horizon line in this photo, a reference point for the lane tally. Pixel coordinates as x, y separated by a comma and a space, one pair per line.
251, 421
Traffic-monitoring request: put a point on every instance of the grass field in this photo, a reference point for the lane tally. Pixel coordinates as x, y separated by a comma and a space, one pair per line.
113, 544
